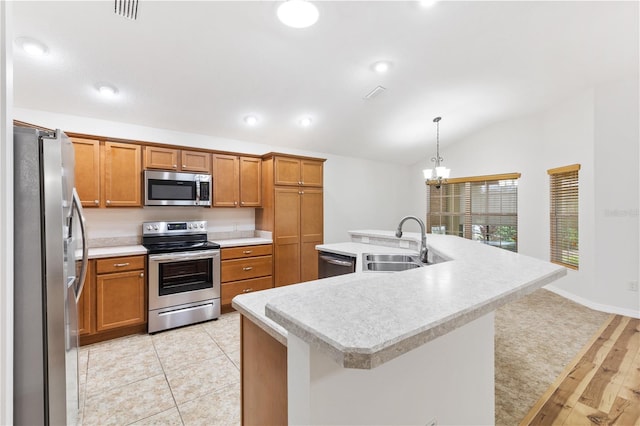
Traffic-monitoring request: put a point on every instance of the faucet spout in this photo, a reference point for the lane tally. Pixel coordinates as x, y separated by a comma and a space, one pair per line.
423, 235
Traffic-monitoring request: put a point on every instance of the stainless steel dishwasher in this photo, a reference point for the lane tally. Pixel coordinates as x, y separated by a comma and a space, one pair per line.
332, 264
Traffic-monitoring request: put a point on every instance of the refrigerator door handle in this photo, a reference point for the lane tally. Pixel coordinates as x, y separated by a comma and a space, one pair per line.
77, 205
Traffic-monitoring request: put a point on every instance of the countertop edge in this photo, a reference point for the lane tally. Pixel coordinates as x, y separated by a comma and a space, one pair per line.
360, 358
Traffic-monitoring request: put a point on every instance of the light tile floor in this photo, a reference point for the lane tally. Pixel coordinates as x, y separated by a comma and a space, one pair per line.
185, 376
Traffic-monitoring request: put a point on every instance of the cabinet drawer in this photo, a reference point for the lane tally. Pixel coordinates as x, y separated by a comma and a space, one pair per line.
242, 269
246, 251
119, 264
232, 289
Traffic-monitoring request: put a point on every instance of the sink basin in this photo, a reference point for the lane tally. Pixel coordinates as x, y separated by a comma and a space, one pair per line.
391, 266
391, 262
390, 258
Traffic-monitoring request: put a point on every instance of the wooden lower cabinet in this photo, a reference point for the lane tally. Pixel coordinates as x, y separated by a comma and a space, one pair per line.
263, 376
120, 300
114, 299
243, 270
85, 326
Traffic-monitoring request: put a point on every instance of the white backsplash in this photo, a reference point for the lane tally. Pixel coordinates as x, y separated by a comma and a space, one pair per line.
117, 227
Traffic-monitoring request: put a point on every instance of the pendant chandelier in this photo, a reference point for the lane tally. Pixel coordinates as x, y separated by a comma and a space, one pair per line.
439, 174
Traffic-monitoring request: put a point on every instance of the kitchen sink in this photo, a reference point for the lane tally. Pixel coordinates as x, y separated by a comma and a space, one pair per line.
390, 258
391, 262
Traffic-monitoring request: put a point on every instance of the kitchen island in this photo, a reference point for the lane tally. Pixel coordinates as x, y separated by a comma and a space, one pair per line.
407, 347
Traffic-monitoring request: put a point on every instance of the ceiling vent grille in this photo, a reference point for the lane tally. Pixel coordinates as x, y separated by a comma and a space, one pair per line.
375, 92
126, 8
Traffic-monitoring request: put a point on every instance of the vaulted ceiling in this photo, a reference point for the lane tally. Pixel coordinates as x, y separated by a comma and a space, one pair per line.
201, 67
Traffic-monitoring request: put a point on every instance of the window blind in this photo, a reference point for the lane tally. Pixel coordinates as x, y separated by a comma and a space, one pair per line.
482, 208
563, 215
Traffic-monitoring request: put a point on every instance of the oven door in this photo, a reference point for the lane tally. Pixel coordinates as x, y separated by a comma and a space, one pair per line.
184, 277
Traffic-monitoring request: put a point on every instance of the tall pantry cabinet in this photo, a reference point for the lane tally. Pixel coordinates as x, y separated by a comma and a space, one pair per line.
292, 209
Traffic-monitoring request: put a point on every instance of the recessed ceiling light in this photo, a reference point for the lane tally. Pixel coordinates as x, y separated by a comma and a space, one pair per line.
251, 120
32, 46
107, 90
381, 67
298, 13
305, 121
427, 3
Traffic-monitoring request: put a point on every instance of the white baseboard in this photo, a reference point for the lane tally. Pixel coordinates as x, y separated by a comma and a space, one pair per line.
592, 305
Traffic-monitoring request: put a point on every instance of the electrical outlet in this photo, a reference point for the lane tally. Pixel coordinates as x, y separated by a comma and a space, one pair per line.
432, 422
632, 286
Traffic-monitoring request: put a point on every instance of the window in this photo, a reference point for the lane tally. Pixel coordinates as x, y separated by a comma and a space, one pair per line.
563, 214
481, 208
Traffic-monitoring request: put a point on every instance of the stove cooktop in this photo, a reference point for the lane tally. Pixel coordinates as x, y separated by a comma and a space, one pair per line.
172, 237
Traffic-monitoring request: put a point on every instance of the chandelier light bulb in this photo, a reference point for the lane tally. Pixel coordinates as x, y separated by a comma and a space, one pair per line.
298, 13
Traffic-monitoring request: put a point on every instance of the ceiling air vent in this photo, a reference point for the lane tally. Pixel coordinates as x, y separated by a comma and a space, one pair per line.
126, 8
375, 92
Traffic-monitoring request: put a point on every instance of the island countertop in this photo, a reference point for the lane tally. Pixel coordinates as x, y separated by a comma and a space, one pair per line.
364, 320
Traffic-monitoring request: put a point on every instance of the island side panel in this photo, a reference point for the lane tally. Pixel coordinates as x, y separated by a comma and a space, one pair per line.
263, 366
449, 380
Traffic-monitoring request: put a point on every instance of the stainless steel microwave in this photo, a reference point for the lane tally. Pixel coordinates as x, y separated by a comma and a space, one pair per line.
176, 189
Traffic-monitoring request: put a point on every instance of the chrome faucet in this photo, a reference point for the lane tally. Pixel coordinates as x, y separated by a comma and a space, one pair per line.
423, 236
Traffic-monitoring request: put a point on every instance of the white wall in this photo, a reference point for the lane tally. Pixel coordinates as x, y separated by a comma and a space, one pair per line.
357, 193
597, 128
6, 215
617, 136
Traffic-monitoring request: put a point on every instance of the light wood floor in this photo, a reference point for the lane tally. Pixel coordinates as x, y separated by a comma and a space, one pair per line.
602, 384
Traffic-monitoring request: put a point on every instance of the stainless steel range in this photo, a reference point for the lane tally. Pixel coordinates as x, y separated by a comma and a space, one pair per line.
184, 274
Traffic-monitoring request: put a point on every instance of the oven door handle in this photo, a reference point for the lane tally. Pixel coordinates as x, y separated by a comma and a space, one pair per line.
172, 257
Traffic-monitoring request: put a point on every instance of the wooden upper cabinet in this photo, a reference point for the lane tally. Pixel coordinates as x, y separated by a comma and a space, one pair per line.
87, 170
250, 182
237, 181
297, 172
225, 180
311, 173
156, 157
107, 174
195, 161
122, 175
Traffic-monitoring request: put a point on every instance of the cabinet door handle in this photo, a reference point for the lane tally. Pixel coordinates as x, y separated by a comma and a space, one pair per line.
184, 166
247, 290
108, 201
247, 251
299, 182
120, 265
96, 202
247, 268
141, 274
235, 203
301, 192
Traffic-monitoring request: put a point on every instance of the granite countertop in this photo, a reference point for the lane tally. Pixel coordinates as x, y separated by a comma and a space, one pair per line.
100, 252
239, 242
363, 320
138, 249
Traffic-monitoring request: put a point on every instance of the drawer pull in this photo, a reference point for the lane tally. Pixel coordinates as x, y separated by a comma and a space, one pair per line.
141, 274
247, 251
96, 202
120, 265
247, 268
247, 290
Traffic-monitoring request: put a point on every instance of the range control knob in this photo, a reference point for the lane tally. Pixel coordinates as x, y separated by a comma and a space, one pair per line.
202, 225
156, 227
149, 228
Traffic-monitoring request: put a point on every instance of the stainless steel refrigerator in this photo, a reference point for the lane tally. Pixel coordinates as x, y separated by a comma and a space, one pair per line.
50, 254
